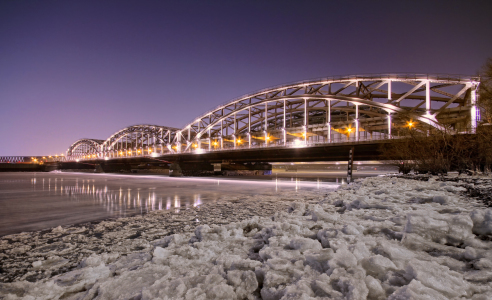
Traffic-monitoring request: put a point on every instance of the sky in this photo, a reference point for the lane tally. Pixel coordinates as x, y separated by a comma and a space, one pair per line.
86, 69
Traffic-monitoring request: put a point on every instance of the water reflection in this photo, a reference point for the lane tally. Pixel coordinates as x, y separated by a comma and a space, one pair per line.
121, 200
34, 201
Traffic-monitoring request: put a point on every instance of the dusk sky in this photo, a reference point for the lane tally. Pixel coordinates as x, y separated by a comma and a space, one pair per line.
85, 69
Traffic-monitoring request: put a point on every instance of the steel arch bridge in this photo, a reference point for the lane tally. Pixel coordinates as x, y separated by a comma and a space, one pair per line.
303, 114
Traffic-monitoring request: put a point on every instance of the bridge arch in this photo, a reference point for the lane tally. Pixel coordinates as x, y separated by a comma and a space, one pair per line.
326, 110
373, 103
137, 140
85, 147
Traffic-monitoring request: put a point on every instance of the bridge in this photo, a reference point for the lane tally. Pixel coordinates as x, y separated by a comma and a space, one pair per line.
327, 111
299, 119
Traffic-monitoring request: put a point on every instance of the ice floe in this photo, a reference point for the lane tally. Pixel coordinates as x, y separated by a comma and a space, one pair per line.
377, 238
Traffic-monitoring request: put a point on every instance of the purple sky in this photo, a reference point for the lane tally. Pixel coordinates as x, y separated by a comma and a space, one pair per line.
75, 69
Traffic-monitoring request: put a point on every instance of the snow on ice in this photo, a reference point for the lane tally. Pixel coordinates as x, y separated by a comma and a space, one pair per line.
378, 238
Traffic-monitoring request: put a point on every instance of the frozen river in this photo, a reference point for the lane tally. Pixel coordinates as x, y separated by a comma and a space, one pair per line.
36, 201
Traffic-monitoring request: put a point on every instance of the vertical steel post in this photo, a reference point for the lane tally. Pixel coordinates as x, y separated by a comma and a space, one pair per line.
475, 117
305, 120
199, 141
285, 129
389, 125
249, 127
427, 97
328, 119
357, 122
266, 124
389, 89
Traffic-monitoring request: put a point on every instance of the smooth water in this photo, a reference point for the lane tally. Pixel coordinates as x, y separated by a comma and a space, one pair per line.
36, 201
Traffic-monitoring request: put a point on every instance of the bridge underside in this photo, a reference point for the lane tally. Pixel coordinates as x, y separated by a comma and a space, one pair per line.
363, 152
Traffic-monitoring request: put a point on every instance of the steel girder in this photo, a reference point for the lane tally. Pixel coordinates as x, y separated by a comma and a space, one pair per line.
364, 99
371, 103
85, 146
159, 132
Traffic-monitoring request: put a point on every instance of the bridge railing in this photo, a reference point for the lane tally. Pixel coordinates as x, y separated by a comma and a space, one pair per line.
228, 147
334, 139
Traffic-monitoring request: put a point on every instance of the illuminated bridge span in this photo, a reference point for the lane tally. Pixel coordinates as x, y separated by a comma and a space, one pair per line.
304, 114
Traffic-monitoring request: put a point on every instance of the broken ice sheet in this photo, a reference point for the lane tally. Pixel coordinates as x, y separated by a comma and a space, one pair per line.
369, 239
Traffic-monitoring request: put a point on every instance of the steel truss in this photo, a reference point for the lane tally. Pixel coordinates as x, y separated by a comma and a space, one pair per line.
327, 110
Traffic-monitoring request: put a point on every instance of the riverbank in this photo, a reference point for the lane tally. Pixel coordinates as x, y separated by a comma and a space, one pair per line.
61, 249
375, 238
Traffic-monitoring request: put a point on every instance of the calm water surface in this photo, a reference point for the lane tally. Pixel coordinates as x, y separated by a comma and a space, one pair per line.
36, 201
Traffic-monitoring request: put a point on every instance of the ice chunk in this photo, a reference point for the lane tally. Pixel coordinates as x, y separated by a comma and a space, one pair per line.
58, 229
394, 251
439, 228
375, 289
483, 263
358, 204
441, 199
318, 260
129, 284
360, 250
319, 214
470, 253
92, 261
440, 278
377, 265
343, 258
37, 263
415, 290
482, 221
297, 208
350, 283
161, 254
324, 236
350, 230
303, 244
244, 282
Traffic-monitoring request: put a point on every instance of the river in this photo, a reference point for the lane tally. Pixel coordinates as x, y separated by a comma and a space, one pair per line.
37, 201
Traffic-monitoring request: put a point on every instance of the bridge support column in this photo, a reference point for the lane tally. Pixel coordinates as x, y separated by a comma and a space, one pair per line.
328, 119
475, 113
427, 98
389, 125
328, 132
356, 130
350, 165
356, 123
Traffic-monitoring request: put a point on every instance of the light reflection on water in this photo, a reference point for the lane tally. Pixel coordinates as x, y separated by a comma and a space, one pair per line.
119, 201
35, 201
122, 201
